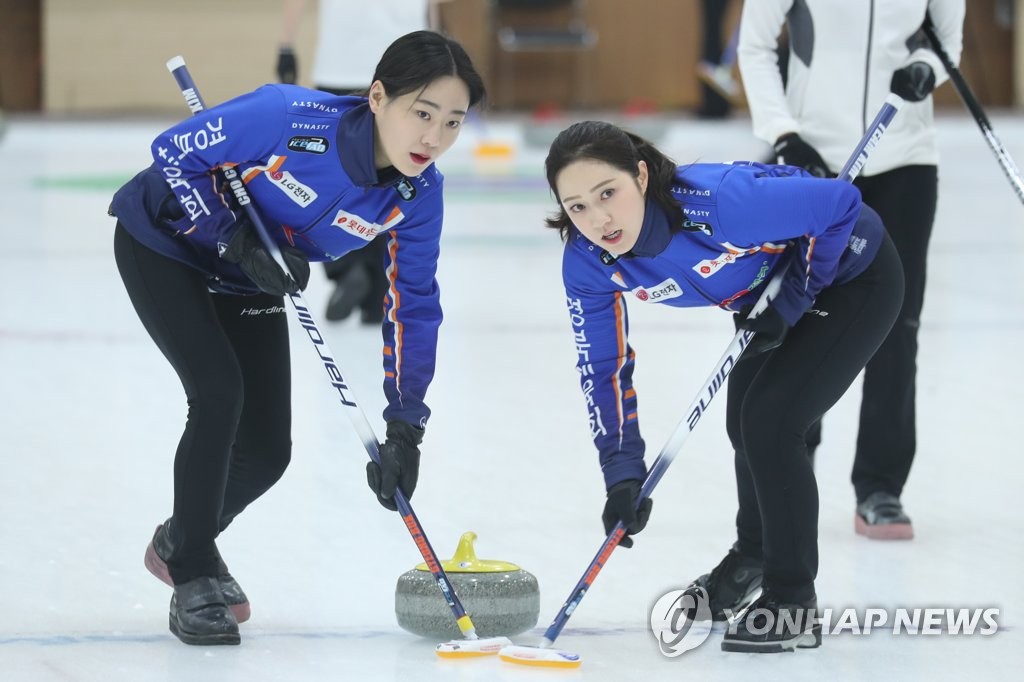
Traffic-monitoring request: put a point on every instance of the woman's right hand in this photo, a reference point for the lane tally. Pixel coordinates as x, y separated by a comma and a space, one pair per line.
621, 505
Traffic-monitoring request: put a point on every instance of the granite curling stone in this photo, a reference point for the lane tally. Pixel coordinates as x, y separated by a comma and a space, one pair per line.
501, 598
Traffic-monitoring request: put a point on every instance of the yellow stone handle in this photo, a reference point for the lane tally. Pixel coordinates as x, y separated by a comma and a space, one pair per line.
466, 561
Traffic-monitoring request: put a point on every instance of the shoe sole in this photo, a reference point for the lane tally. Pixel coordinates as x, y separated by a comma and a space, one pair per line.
227, 638
882, 531
806, 640
158, 567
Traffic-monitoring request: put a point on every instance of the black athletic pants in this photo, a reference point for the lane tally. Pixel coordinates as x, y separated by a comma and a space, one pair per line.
905, 198
231, 354
772, 400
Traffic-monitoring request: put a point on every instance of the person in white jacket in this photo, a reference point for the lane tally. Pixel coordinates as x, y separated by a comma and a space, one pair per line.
844, 58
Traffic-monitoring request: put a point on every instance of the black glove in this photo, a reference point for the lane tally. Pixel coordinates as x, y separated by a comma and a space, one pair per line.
287, 66
913, 82
399, 464
769, 327
247, 251
793, 151
621, 505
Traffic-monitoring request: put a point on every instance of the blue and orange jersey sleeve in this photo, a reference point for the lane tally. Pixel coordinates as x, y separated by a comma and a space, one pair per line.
604, 361
782, 203
244, 129
412, 311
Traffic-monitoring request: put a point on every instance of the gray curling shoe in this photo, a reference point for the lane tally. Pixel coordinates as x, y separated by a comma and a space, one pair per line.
881, 517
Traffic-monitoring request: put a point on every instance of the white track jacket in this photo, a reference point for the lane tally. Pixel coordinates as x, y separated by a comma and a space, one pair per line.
842, 56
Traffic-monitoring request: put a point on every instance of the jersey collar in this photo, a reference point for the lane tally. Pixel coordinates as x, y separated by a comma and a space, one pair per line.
655, 233
355, 149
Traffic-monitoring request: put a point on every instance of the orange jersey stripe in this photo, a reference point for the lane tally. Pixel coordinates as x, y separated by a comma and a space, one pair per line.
396, 302
620, 337
250, 174
810, 252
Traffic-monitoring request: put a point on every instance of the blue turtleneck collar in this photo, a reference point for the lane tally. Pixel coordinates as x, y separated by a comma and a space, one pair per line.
355, 149
655, 233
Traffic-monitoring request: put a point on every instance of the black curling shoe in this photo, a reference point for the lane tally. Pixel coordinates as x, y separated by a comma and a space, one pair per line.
200, 616
771, 626
160, 548
731, 585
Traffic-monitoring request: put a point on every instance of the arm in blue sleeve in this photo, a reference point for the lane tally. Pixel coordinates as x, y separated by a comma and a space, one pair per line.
246, 128
412, 314
605, 361
817, 214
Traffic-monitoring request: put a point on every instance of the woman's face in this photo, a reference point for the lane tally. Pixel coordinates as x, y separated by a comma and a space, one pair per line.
604, 203
412, 130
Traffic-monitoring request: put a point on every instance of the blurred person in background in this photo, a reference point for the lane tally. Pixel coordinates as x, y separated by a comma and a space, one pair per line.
844, 59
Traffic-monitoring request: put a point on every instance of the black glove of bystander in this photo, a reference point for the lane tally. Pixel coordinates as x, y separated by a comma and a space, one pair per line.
769, 327
287, 66
245, 250
399, 464
913, 82
621, 505
792, 150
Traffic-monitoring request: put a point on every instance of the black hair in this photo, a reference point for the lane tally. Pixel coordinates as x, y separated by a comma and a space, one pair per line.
608, 143
417, 59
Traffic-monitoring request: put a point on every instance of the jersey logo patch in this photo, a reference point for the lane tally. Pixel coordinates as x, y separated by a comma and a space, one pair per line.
710, 266
694, 226
309, 143
356, 225
301, 194
659, 292
406, 189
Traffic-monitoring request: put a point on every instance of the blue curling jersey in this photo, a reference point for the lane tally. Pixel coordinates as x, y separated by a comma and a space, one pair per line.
307, 159
741, 223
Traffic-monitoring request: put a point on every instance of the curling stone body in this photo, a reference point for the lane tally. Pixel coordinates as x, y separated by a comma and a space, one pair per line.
501, 598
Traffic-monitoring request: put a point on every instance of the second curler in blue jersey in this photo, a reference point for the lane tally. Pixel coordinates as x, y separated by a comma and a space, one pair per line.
742, 223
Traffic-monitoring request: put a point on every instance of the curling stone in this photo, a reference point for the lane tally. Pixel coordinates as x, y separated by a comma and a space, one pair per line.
500, 597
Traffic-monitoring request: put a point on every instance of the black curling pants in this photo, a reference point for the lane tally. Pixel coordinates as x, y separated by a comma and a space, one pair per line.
231, 354
774, 398
905, 198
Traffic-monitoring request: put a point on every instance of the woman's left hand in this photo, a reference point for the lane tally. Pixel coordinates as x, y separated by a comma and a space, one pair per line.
769, 329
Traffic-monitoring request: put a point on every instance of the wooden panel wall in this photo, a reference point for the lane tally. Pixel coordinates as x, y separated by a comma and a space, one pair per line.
20, 55
108, 55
